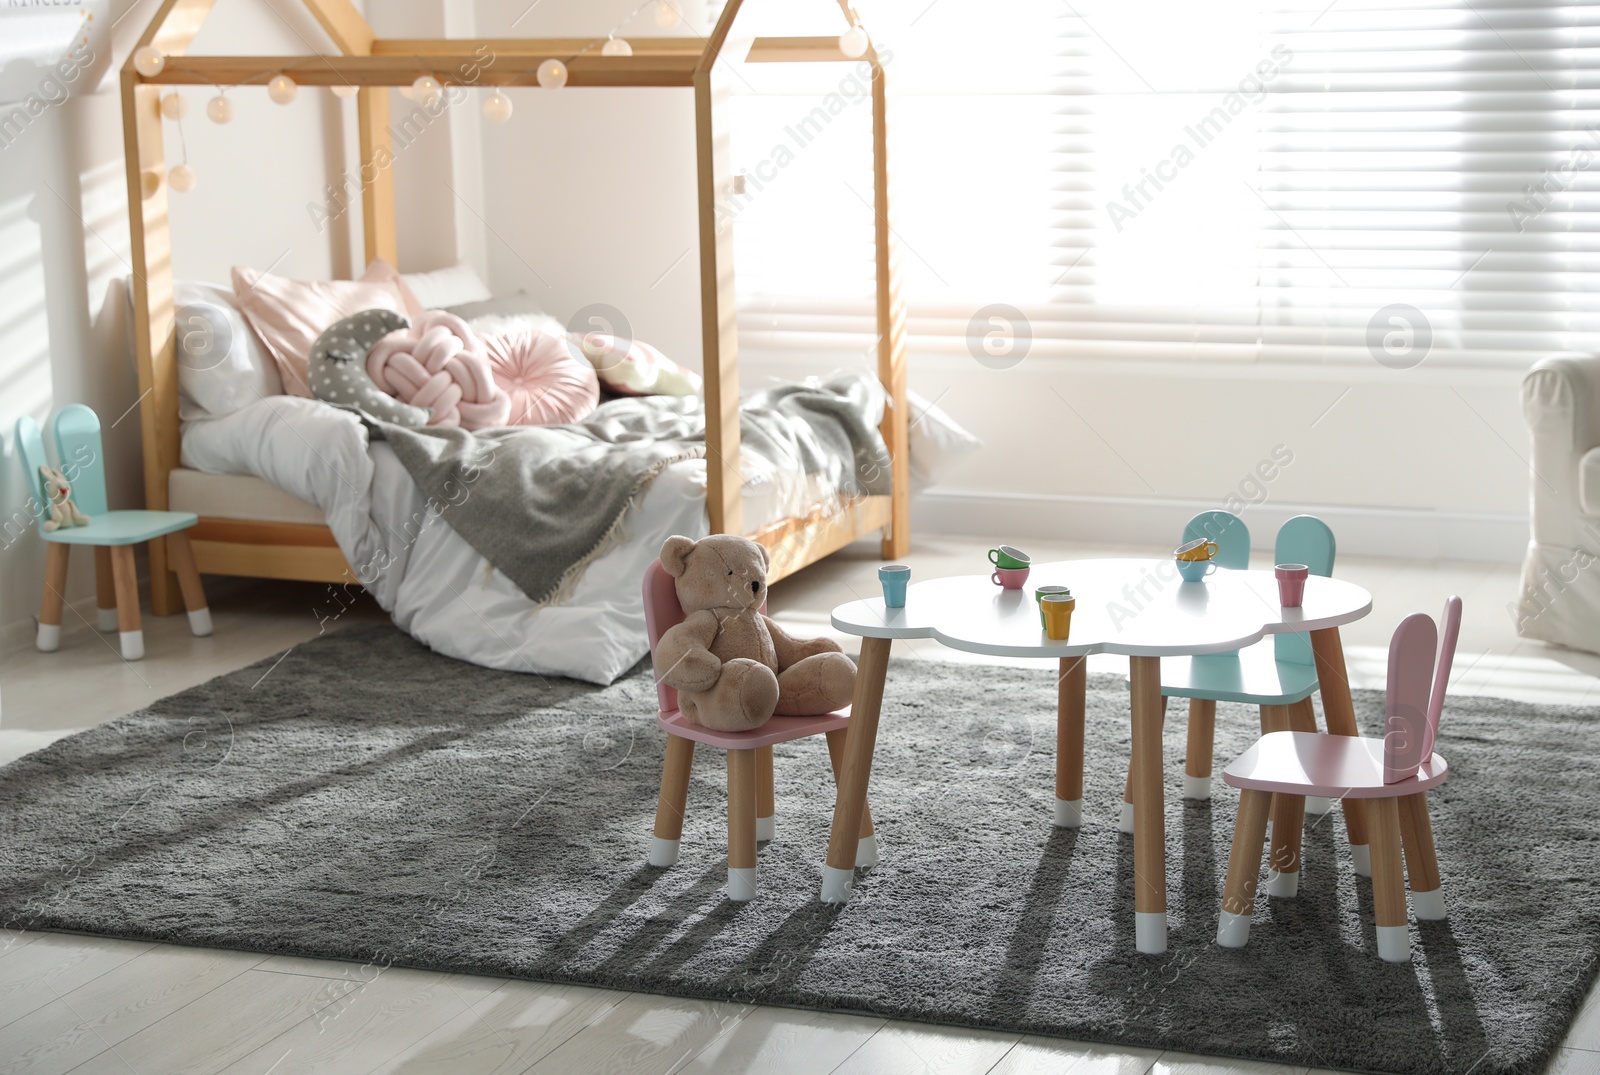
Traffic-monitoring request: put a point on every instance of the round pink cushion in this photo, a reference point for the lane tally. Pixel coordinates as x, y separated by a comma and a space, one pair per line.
546, 378
441, 365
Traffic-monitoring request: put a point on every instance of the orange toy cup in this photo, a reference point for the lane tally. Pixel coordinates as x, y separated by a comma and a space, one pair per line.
1199, 549
1057, 609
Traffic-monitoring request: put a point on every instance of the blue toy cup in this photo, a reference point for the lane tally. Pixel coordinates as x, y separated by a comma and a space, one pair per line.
1195, 570
894, 578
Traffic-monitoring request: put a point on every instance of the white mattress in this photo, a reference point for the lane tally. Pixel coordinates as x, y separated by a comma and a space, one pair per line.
436, 586
237, 496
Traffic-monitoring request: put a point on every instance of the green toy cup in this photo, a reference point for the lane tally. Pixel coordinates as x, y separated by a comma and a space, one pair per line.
1009, 558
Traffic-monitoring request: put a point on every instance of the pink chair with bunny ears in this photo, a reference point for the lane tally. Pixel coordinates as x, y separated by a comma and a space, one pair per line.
1395, 772
751, 805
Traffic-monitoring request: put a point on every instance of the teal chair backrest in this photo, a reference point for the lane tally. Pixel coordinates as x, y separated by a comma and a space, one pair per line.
1228, 531
30, 450
76, 431
1305, 539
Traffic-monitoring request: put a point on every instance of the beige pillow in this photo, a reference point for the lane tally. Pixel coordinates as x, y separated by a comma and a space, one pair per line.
289, 315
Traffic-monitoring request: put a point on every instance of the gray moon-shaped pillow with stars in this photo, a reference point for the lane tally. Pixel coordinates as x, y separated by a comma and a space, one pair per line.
337, 368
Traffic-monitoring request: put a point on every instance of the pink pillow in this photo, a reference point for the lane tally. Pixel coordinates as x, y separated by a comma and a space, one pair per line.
440, 365
289, 315
547, 383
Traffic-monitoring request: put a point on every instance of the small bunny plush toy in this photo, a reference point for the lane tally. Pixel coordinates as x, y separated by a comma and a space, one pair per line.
63, 512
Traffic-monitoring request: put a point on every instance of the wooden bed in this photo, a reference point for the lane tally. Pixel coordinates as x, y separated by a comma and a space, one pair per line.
300, 551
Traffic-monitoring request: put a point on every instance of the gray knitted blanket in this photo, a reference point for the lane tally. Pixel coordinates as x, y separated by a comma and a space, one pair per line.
542, 502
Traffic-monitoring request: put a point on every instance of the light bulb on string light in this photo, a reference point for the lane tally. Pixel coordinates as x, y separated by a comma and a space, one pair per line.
667, 14
219, 109
282, 89
616, 46
149, 61
854, 41
181, 178
174, 107
426, 89
497, 107
552, 74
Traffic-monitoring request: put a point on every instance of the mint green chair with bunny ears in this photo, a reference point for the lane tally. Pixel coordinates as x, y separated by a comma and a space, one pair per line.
112, 535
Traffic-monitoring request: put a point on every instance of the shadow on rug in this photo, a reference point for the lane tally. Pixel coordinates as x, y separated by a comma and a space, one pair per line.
371, 801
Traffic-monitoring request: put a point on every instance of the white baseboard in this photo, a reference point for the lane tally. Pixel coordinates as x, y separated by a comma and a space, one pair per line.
1406, 533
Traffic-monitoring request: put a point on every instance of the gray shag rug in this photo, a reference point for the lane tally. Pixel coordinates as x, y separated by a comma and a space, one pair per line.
368, 800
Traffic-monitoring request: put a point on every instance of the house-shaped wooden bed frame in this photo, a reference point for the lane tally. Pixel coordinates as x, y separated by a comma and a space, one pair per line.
373, 64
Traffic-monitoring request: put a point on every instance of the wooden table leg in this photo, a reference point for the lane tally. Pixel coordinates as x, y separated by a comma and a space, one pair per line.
1149, 811
838, 875
1340, 710
1072, 689
1303, 718
1125, 819
867, 839
54, 602
1288, 816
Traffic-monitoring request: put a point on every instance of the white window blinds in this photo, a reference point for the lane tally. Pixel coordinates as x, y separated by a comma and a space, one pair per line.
1227, 182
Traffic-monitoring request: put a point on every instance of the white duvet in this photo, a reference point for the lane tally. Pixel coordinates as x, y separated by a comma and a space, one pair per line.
437, 588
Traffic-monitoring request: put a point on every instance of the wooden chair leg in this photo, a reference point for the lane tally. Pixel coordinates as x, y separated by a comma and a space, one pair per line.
1125, 822
194, 594
1422, 861
1288, 817
105, 591
741, 825
54, 601
1388, 881
1244, 868
1202, 736
867, 846
766, 797
672, 800
124, 575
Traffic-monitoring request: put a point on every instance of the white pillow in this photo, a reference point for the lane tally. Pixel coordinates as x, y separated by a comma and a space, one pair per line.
446, 287
937, 441
222, 365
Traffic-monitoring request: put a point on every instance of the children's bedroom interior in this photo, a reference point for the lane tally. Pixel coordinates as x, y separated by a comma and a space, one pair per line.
817, 537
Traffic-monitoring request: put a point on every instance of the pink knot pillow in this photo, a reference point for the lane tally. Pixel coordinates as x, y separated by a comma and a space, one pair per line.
442, 366
548, 384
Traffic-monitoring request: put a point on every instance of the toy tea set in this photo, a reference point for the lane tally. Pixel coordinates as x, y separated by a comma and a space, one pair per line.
1195, 560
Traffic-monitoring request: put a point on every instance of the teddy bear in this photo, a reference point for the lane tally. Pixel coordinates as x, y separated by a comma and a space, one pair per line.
63, 512
732, 666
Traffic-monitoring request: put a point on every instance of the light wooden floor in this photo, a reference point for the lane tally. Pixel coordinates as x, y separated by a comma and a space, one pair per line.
75, 1003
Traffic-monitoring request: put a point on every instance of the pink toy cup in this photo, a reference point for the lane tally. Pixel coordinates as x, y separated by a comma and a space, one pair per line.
1291, 584
1010, 578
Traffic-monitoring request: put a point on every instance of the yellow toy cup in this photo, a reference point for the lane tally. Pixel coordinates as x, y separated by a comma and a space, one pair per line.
1199, 549
1057, 609
1039, 595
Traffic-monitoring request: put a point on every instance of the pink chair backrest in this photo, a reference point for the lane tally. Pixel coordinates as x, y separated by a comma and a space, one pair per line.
1419, 671
1441, 671
661, 613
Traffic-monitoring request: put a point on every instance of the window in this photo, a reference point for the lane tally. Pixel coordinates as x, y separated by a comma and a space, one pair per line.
1228, 182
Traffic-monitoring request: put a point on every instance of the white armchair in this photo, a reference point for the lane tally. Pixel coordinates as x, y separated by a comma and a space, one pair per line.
1560, 598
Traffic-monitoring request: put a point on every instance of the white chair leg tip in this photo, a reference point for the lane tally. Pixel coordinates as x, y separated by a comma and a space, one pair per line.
1363, 859
1394, 944
132, 645
1150, 932
1318, 805
836, 884
663, 852
1069, 814
105, 620
1125, 819
1233, 930
867, 851
742, 883
1196, 787
1428, 906
766, 828
1285, 886
200, 622
48, 639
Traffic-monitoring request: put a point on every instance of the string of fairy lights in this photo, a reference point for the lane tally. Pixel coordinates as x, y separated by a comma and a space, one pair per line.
551, 74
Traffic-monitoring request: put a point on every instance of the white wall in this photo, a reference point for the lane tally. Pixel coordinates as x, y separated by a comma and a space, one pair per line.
64, 235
